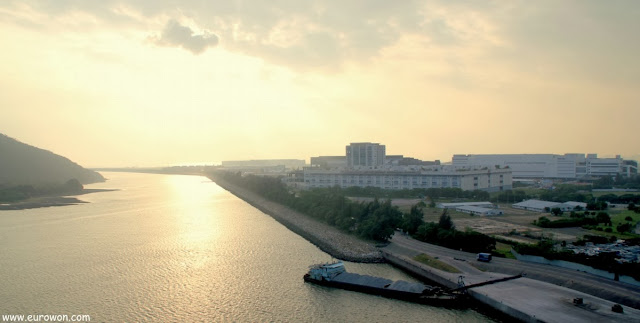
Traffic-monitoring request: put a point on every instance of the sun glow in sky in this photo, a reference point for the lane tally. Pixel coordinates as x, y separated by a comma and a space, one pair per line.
152, 83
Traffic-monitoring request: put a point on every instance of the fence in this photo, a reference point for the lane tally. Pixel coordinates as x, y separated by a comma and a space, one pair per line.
575, 266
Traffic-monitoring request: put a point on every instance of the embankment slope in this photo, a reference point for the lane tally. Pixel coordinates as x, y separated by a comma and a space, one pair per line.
329, 239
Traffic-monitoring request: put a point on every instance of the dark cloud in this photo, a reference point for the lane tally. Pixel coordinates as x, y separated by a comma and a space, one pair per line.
175, 34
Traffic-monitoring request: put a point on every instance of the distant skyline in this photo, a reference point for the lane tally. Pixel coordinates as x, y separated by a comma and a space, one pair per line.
154, 83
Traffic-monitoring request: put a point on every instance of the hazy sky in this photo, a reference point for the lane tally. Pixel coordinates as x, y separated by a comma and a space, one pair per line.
160, 82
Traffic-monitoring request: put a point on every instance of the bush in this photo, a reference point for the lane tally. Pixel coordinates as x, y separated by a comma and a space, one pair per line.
470, 241
625, 227
603, 217
591, 238
445, 221
596, 206
544, 222
556, 211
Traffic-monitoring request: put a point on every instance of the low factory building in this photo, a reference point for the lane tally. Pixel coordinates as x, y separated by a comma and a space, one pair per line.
546, 206
459, 204
475, 210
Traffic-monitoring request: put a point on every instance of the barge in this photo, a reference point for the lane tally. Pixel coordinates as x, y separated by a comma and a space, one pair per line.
335, 275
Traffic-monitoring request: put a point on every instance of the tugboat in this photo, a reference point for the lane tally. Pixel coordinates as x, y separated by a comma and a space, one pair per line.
335, 275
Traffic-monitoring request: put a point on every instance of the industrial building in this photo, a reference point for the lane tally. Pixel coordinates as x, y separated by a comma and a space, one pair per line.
567, 166
367, 165
490, 180
546, 206
365, 154
476, 210
328, 162
459, 204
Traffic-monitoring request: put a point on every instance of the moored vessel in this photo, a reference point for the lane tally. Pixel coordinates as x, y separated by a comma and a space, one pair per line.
335, 275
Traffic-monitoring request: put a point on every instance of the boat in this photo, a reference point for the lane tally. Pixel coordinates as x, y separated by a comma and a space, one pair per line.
335, 275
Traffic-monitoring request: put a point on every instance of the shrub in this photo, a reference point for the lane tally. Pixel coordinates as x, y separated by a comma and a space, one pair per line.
625, 227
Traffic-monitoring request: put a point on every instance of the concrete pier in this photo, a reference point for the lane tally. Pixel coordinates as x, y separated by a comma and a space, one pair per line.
525, 299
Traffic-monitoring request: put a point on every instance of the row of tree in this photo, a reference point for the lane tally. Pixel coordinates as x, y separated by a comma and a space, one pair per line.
370, 220
544, 222
620, 199
433, 193
564, 193
445, 234
619, 181
374, 219
575, 219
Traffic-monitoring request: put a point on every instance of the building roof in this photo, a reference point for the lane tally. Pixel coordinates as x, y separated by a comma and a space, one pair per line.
406, 171
476, 209
536, 204
573, 204
455, 205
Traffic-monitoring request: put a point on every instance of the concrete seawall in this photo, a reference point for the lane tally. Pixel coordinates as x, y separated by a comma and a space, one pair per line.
418, 269
329, 239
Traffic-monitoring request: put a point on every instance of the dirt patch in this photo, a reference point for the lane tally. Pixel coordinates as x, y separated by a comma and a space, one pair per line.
489, 226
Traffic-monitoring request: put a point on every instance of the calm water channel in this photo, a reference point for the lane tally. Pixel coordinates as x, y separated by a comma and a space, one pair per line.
180, 249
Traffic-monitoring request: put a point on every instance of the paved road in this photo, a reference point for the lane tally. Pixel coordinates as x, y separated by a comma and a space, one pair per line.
608, 289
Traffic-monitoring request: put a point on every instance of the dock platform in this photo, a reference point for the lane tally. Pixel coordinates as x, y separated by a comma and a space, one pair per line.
525, 299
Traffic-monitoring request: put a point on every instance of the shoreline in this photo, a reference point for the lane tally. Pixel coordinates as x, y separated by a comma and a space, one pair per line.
49, 201
504, 299
329, 239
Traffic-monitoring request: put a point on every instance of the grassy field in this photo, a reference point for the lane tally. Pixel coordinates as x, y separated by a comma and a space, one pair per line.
620, 217
617, 218
520, 221
435, 263
505, 250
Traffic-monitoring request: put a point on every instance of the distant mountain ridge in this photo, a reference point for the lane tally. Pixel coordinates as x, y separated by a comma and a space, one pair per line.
22, 164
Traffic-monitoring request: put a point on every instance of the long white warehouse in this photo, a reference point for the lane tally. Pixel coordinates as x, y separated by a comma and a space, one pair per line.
485, 179
567, 166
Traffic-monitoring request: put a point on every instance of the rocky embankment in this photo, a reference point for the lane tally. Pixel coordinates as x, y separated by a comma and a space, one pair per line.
329, 239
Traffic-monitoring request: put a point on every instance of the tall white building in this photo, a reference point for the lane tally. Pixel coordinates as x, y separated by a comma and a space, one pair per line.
567, 166
365, 154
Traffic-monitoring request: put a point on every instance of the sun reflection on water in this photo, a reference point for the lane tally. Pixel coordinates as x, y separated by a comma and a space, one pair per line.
196, 215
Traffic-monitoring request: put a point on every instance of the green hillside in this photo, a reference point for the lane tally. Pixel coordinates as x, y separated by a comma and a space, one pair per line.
22, 164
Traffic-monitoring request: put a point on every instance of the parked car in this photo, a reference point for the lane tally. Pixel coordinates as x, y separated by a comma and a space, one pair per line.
486, 257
